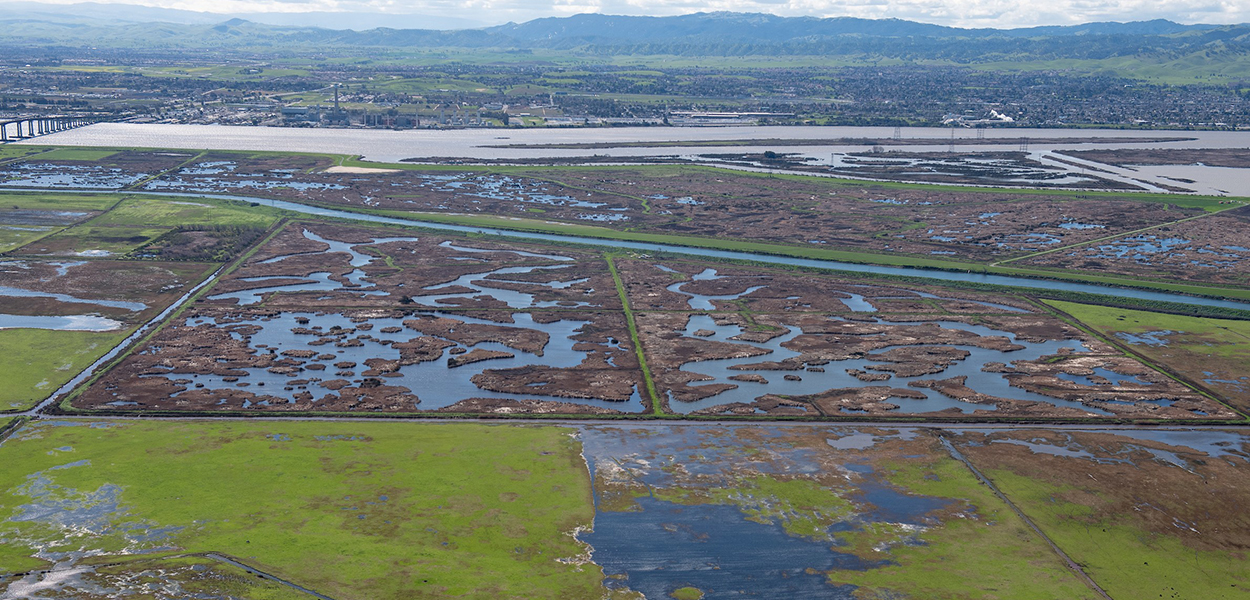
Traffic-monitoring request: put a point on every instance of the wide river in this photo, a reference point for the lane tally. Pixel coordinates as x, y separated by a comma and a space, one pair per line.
383, 145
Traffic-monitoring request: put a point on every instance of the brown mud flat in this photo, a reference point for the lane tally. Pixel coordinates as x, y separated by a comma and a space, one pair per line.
469, 311
786, 291
701, 202
155, 284
910, 346
1213, 249
1228, 157
866, 216
123, 162
161, 375
399, 272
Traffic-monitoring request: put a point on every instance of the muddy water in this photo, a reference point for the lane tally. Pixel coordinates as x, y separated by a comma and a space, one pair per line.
436, 384
835, 375
660, 546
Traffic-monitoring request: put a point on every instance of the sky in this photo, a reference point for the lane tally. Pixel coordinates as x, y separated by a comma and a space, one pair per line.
958, 13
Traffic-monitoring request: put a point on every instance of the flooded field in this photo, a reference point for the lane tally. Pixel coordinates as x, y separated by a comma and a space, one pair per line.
407, 510
794, 512
330, 317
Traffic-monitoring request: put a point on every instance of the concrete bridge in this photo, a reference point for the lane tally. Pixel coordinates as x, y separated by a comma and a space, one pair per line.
28, 127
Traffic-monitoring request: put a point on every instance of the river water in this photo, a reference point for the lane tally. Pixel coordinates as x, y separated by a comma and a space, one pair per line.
510, 144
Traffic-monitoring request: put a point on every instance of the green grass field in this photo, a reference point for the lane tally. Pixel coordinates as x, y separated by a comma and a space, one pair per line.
137, 220
57, 201
78, 154
36, 362
9, 151
16, 236
1125, 559
996, 556
351, 510
170, 212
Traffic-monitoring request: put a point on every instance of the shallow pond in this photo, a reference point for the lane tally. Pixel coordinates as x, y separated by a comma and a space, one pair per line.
435, 383
835, 375
721, 548
59, 323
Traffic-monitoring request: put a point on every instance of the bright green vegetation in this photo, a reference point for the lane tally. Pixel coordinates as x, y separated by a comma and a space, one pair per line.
78, 154
1216, 351
9, 151
687, 593
36, 362
55, 201
16, 236
1126, 560
351, 510
994, 555
1218, 338
802, 506
171, 212
138, 220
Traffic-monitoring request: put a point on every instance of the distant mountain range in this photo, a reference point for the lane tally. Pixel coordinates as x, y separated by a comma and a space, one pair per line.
702, 34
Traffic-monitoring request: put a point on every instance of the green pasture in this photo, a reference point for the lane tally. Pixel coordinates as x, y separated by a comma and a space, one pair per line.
1125, 559
995, 555
36, 362
78, 154
351, 510
87, 238
16, 236
172, 212
56, 201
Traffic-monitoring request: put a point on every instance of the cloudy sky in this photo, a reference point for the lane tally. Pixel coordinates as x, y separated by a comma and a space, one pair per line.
959, 13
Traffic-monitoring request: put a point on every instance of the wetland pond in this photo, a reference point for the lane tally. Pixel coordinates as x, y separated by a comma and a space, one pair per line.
439, 383
687, 506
